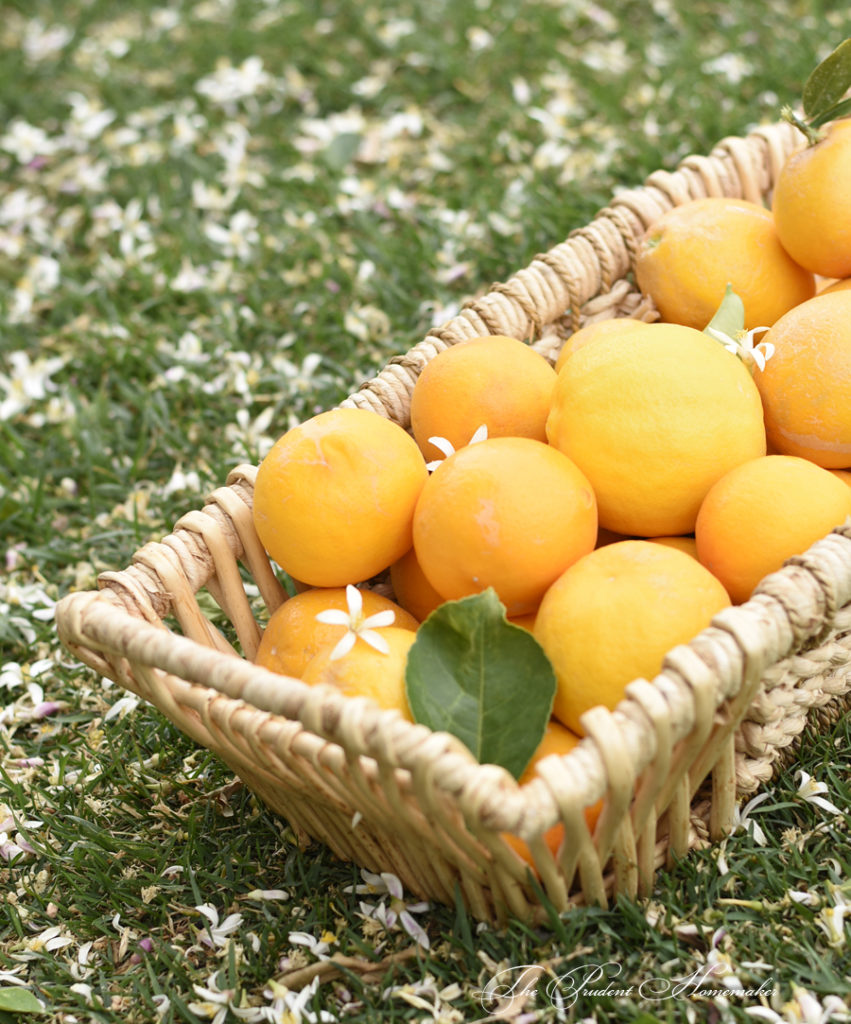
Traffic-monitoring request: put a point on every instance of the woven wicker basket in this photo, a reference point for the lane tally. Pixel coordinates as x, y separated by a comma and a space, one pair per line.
670, 762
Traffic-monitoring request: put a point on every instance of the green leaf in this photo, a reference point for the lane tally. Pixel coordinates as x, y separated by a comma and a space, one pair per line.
729, 318
19, 1000
832, 114
474, 674
828, 82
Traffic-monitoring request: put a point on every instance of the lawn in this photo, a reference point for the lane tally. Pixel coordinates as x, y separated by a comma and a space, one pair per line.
217, 218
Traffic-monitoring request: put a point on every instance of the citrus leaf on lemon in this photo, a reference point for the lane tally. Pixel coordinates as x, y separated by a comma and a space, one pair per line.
475, 675
729, 318
827, 85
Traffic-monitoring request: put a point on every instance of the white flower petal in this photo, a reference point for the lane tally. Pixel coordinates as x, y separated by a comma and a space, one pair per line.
442, 445
414, 929
825, 805
808, 786
267, 894
758, 358
802, 896
754, 802
379, 619
354, 599
207, 909
419, 908
230, 923
393, 885
343, 646
375, 640
725, 339
480, 434
333, 617
764, 1013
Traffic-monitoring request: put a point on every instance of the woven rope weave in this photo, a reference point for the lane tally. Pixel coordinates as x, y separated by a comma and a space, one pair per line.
669, 762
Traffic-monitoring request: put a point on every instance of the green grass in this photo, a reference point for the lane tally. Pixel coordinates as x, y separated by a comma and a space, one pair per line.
397, 159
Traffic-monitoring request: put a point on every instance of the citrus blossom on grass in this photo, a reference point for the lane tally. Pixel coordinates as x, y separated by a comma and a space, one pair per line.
693, 251
653, 421
492, 381
763, 512
613, 615
509, 513
335, 496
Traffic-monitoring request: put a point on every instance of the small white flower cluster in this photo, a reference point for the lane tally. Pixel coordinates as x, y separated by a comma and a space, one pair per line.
13, 844
28, 380
744, 347
219, 1004
357, 624
392, 911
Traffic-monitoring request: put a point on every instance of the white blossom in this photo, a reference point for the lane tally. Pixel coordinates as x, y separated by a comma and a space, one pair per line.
831, 919
43, 42
88, 120
742, 819
217, 932
446, 446
357, 625
803, 1008
288, 1007
11, 675
811, 791
228, 85
26, 141
238, 238
318, 947
47, 941
743, 345
398, 911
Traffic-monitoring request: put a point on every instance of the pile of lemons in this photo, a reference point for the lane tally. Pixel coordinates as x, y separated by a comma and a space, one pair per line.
615, 501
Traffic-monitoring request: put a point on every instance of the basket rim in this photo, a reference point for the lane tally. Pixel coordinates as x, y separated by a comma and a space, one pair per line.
791, 607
